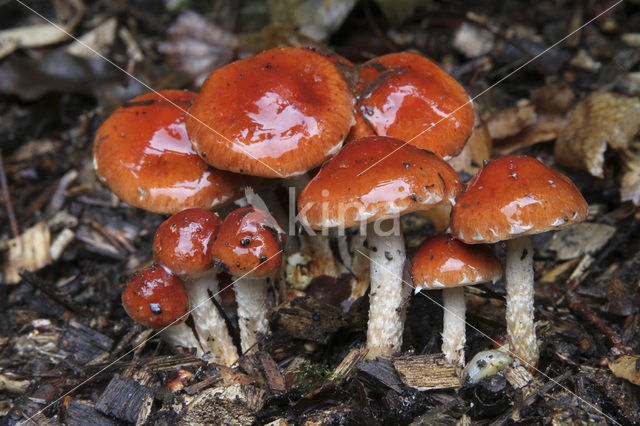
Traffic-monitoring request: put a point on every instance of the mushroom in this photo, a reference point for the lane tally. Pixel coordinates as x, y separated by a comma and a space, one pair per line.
183, 244
347, 191
510, 199
158, 299
279, 113
143, 154
249, 245
444, 263
409, 97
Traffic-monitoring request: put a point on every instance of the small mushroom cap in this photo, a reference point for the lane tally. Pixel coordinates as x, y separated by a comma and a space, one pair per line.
441, 261
155, 298
143, 154
249, 243
276, 114
404, 95
183, 242
513, 196
399, 179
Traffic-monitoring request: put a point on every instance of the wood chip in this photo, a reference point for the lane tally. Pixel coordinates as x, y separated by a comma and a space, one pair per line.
379, 372
126, 400
79, 414
300, 319
348, 363
275, 380
518, 377
29, 251
85, 344
234, 404
427, 372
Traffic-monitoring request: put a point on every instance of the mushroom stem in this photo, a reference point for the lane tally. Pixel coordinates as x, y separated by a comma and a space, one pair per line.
384, 332
453, 325
181, 337
519, 277
209, 324
251, 297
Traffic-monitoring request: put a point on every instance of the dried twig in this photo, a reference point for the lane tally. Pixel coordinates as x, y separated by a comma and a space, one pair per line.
583, 310
53, 293
7, 200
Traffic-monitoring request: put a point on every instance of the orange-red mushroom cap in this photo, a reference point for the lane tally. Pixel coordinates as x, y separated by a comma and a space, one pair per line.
249, 243
276, 114
409, 97
155, 298
183, 242
143, 154
441, 261
373, 178
513, 196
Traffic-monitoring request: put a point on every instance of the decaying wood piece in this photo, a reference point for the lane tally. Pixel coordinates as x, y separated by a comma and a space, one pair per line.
234, 404
306, 318
126, 400
427, 372
270, 369
80, 414
264, 371
379, 371
11, 385
348, 363
84, 343
29, 251
518, 377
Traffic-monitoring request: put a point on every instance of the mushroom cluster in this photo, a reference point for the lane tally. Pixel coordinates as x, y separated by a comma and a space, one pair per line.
282, 113
190, 248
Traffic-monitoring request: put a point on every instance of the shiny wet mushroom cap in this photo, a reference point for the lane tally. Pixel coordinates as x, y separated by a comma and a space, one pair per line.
155, 298
249, 243
374, 178
183, 242
279, 113
143, 154
409, 97
442, 261
513, 196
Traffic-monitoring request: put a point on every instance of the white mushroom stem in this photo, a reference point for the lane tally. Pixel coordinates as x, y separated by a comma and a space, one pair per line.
251, 297
209, 324
453, 325
387, 253
519, 276
182, 338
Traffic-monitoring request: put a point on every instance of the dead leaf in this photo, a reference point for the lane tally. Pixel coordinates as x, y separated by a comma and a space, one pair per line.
627, 367
396, 11
580, 239
197, 46
601, 119
630, 181
39, 35
511, 121
472, 40
541, 131
553, 99
96, 42
315, 19
474, 153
